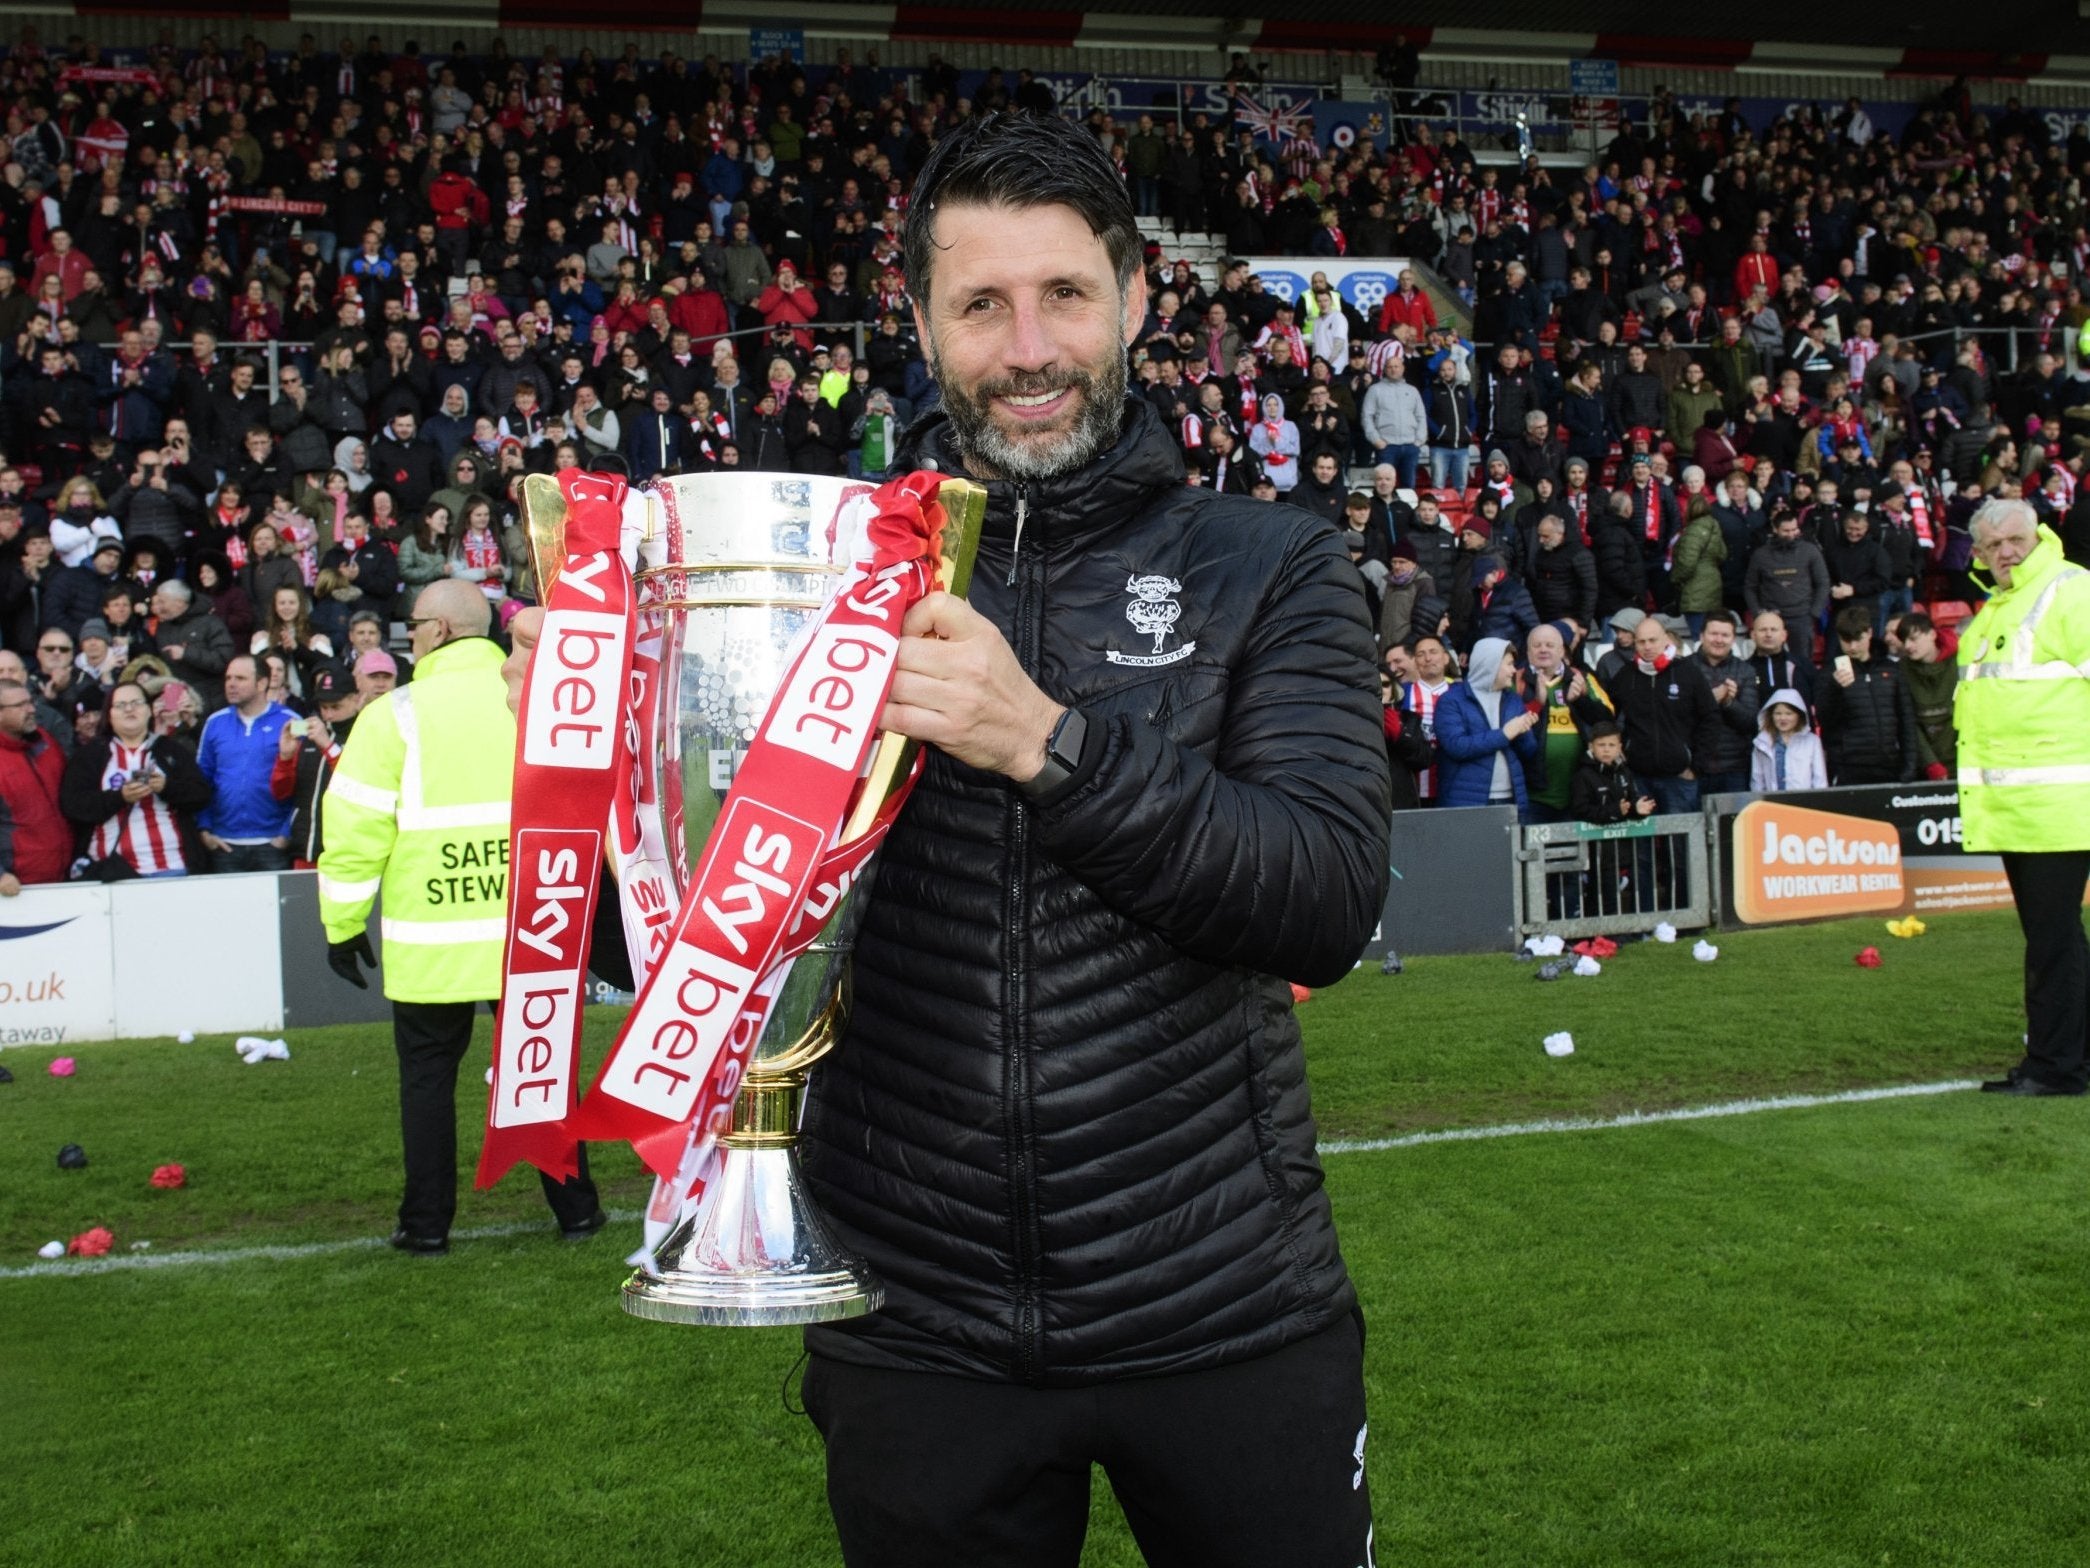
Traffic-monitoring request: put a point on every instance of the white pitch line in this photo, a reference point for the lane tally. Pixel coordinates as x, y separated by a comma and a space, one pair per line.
283, 1254
1694, 1113
1689, 1113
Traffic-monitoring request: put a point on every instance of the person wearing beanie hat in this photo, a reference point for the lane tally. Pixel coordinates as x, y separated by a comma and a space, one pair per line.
1479, 527
1407, 586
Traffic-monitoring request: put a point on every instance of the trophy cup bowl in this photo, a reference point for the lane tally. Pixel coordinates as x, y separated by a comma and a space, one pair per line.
744, 571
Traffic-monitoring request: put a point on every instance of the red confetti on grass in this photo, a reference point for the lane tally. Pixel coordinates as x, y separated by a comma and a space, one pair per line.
167, 1176
91, 1243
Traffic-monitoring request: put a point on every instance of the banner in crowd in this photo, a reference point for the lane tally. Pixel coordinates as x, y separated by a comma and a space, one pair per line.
1364, 284
276, 204
1885, 849
1340, 124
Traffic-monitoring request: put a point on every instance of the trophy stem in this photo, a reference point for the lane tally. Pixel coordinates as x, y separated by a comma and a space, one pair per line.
756, 1252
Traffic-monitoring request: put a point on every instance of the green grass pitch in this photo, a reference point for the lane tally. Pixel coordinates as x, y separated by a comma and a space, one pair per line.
1846, 1335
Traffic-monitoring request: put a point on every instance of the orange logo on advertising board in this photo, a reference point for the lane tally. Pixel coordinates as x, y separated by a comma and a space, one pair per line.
1793, 863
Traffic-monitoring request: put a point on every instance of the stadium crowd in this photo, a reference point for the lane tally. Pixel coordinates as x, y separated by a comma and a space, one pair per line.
1729, 399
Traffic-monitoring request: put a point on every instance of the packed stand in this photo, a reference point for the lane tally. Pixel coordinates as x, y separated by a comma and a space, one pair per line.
281, 335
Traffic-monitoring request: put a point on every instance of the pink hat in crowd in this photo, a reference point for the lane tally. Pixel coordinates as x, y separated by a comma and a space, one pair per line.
376, 659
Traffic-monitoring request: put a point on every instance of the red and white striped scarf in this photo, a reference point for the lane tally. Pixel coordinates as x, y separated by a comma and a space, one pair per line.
1422, 702
144, 832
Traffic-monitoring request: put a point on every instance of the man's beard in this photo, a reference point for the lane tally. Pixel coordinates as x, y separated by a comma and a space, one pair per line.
989, 450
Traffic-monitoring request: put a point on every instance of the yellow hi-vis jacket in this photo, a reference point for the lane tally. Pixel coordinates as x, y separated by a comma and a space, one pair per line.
419, 809
2023, 710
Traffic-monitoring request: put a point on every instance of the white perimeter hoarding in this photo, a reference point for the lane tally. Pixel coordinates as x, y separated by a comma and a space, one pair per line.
139, 959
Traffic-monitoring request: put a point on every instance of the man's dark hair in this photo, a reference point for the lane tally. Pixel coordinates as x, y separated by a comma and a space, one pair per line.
1913, 624
1726, 618
1853, 621
1605, 729
1021, 160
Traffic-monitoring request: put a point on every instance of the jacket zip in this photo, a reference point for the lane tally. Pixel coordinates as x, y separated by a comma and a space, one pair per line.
1016, 550
1018, 1123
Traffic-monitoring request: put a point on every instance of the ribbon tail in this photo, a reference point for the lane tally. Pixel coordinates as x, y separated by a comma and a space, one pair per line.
548, 1146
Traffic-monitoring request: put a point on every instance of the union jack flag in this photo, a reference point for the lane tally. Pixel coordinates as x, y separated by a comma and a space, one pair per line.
1284, 120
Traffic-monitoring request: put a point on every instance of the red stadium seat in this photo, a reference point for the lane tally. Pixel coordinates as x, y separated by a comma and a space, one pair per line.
1951, 614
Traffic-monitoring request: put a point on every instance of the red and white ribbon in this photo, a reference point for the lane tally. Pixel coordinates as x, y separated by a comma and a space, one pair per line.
772, 871
573, 748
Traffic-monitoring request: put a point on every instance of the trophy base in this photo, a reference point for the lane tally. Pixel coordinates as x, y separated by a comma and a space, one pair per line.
755, 1254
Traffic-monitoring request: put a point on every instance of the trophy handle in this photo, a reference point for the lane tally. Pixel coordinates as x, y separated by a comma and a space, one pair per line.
964, 513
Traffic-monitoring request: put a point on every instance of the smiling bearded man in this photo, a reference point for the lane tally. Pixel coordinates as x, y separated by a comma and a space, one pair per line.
1067, 1125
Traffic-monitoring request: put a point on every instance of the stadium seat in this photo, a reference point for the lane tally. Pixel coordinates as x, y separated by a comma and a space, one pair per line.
1951, 614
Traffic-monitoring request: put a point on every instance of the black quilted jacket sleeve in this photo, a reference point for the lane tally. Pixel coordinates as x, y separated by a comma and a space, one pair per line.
1272, 854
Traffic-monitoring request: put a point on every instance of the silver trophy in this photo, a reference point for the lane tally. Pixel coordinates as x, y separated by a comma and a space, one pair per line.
739, 565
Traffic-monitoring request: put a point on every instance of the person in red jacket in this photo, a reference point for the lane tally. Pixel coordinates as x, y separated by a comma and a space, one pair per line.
789, 303
458, 204
699, 309
1407, 306
69, 266
1758, 269
36, 842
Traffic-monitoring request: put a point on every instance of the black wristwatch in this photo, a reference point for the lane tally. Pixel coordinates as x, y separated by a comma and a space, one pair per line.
1063, 749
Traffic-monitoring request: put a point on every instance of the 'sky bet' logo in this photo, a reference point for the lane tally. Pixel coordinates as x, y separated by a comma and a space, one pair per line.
553, 871
696, 1004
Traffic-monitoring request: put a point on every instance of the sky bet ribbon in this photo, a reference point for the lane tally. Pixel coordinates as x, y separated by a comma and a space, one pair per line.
572, 747
771, 871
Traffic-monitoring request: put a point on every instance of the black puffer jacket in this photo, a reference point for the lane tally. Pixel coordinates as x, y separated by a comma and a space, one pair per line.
1869, 726
1068, 1124
1563, 583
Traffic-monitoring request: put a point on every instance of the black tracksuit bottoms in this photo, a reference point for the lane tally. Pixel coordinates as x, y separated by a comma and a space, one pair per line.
431, 1038
2049, 892
1259, 1464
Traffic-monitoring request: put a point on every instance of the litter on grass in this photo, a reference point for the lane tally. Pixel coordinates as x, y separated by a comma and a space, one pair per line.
1586, 967
252, 1048
64, 1067
1704, 951
91, 1243
1544, 946
1665, 932
1561, 1044
1868, 958
51, 1249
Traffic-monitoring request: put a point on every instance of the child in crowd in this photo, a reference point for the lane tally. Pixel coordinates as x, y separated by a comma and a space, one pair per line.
1603, 794
1787, 755
1603, 790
